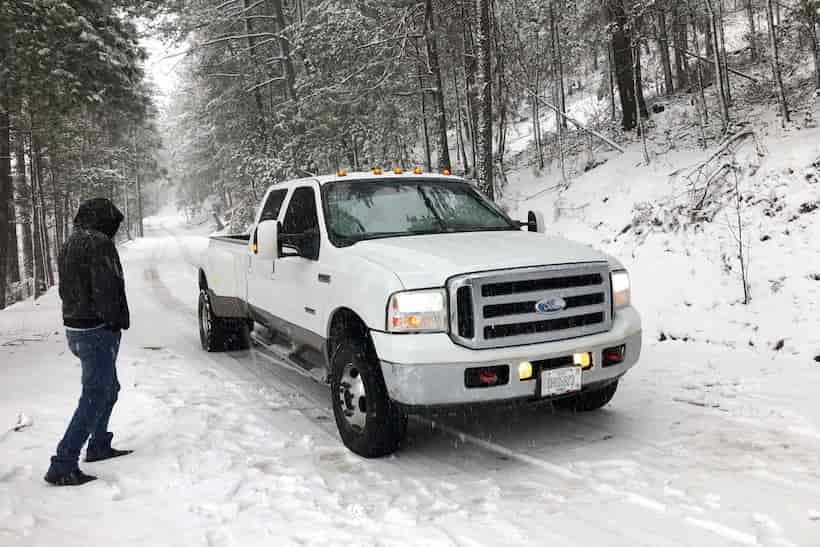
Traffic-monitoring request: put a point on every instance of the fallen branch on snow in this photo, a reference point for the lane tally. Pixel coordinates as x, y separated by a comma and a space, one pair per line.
579, 125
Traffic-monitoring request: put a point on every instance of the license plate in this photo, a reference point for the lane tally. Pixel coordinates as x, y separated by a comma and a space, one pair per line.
560, 381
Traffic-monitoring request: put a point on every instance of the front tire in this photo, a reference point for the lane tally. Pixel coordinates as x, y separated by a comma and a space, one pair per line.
370, 424
588, 401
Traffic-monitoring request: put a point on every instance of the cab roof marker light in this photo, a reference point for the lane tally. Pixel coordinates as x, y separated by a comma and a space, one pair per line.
377, 170
445, 172
341, 173
418, 171
398, 170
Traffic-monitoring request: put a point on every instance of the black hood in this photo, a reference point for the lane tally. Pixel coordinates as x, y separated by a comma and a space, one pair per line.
99, 214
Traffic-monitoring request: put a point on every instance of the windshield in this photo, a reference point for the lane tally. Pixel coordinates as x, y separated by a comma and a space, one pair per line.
370, 210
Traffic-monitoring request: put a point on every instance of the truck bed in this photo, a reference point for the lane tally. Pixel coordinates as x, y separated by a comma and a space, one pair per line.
225, 266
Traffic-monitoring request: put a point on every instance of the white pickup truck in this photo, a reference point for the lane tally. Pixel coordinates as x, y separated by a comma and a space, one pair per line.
412, 291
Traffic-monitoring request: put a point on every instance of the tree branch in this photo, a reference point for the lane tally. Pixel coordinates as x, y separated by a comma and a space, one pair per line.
704, 59
579, 125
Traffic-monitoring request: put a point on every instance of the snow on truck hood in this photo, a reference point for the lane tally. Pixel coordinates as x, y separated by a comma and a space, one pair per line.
429, 260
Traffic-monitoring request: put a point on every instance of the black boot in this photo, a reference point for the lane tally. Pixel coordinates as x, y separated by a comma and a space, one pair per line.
92, 457
74, 478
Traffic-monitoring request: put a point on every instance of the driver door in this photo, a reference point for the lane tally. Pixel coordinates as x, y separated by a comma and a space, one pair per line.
302, 297
262, 272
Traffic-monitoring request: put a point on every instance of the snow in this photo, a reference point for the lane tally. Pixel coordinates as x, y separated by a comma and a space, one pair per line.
688, 276
582, 107
713, 439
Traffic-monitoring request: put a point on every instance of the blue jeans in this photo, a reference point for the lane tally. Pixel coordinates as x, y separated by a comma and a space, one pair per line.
97, 350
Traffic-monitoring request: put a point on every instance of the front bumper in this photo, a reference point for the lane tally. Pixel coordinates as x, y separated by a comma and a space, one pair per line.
428, 369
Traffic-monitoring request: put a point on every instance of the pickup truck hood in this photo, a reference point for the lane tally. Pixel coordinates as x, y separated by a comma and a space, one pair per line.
429, 260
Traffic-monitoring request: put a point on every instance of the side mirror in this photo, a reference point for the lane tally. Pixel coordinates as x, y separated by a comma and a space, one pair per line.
305, 245
535, 222
285, 246
266, 240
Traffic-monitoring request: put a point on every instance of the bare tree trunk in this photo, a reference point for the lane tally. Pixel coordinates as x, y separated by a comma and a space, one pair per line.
125, 198
775, 61
470, 72
663, 47
23, 193
431, 42
815, 50
536, 129
67, 211
719, 80
810, 16
484, 167
595, 47
36, 242
140, 226
14, 247
41, 259
723, 55
703, 111
5, 179
502, 93
459, 121
679, 39
460, 151
557, 66
636, 72
56, 206
428, 163
611, 78
708, 37
469, 126
750, 15
632, 106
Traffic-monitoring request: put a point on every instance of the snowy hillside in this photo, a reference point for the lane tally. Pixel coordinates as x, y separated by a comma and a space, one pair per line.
686, 273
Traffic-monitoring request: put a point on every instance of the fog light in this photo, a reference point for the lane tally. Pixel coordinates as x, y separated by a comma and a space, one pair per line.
497, 375
525, 370
613, 356
583, 360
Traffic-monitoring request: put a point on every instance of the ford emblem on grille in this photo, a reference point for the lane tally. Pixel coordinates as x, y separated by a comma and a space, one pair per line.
550, 305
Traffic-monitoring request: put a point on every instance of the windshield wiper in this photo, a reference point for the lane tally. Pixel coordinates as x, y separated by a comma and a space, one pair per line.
382, 235
429, 205
355, 238
469, 228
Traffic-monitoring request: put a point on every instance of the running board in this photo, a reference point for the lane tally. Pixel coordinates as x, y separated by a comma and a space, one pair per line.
289, 355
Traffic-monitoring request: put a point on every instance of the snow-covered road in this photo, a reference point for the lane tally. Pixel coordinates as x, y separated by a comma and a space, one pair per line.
703, 445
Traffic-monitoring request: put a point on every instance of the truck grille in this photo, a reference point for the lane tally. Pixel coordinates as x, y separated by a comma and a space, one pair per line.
499, 308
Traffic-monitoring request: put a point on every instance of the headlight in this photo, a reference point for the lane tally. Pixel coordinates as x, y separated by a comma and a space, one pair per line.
417, 311
620, 289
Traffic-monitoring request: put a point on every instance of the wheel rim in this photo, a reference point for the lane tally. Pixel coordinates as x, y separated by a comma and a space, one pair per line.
353, 397
205, 321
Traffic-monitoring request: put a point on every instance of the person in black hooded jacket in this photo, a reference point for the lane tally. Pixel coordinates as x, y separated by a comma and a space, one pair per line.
95, 311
